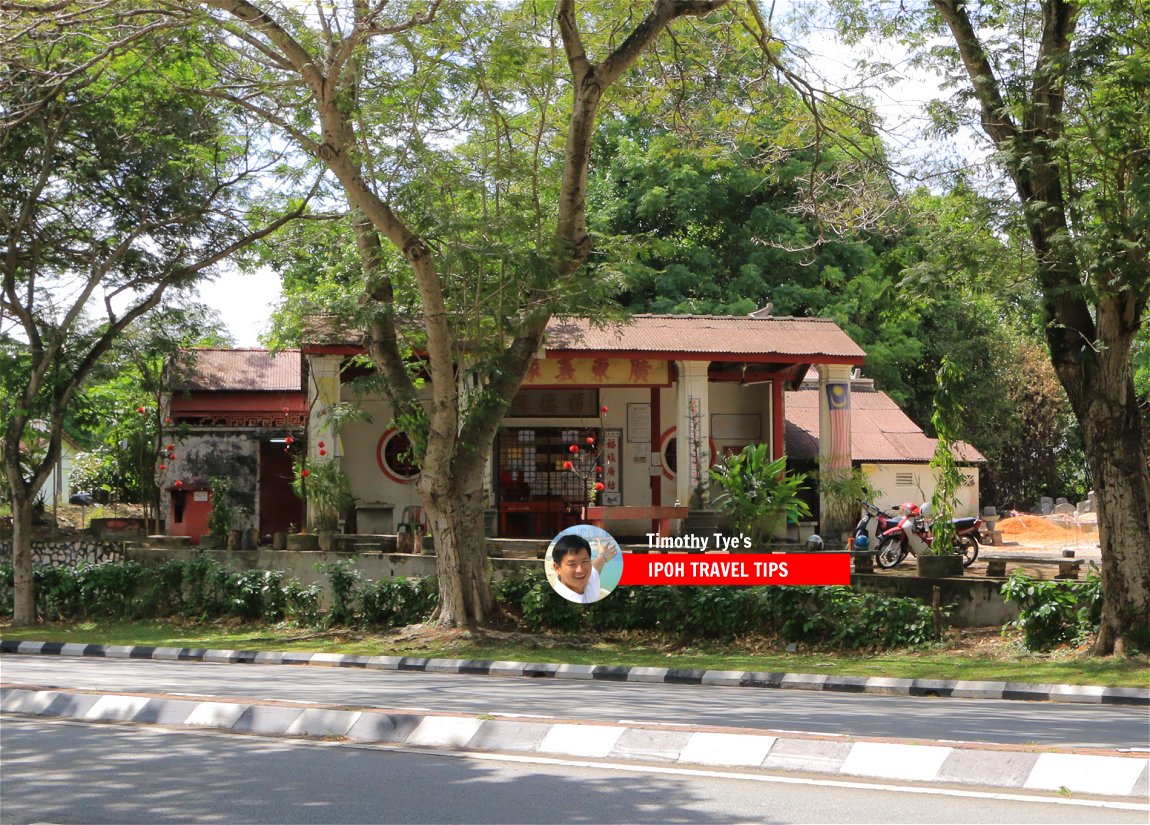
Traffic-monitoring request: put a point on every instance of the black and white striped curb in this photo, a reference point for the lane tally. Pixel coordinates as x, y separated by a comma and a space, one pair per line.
1102, 773
1086, 694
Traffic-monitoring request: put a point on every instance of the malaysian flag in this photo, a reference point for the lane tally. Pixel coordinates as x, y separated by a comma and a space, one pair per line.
838, 454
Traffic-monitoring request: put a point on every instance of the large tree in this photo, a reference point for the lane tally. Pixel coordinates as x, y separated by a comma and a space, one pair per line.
461, 137
114, 189
1061, 91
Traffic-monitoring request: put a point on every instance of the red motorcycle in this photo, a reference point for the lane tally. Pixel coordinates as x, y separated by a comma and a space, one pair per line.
912, 535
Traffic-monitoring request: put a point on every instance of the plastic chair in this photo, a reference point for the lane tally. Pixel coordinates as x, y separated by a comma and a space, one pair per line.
412, 528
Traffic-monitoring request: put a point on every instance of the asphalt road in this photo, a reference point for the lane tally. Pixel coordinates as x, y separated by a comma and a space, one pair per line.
969, 720
64, 772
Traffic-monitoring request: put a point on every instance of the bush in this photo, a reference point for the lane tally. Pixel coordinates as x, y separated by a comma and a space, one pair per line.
1053, 613
835, 617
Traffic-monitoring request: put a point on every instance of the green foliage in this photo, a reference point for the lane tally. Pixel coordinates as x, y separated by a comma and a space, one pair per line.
1053, 613
345, 582
834, 617
223, 514
326, 489
756, 489
398, 602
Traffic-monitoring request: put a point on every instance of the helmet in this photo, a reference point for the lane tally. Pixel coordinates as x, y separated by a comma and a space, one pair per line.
911, 509
815, 544
862, 542
925, 508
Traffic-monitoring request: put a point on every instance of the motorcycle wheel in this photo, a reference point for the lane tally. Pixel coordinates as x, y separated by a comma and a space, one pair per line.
889, 554
967, 547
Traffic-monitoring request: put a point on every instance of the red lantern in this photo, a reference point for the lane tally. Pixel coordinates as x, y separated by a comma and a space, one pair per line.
574, 448
140, 410
323, 452
603, 409
598, 486
167, 421
179, 485
590, 441
305, 473
598, 469
567, 465
163, 466
289, 440
285, 410
322, 445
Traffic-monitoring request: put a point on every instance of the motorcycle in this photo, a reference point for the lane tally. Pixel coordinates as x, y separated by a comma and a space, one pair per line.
913, 535
872, 523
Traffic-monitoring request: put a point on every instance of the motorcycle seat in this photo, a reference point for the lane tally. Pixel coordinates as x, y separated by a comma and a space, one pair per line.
965, 523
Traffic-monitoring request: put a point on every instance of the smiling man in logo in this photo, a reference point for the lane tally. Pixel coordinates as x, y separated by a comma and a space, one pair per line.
577, 574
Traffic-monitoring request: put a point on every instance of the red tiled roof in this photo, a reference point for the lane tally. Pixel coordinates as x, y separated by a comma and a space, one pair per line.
880, 431
246, 370
715, 337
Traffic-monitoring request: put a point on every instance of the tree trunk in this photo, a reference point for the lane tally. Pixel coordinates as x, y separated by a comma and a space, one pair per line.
1102, 394
24, 614
455, 499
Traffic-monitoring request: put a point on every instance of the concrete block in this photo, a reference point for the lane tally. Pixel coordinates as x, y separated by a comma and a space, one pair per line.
581, 740
507, 668
970, 689
73, 649
817, 755
383, 662
216, 714
115, 708
326, 659
1082, 773
1004, 769
651, 745
575, 672
383, 727
324, 722
166, 711
735, 750
648, 674
445, 665
444, 732
728, 678
1085, 694
28, 701
888, 685
269, 657
72, 705
118, 651
506, 735
895, 761
166, 654
273, 719
804, 681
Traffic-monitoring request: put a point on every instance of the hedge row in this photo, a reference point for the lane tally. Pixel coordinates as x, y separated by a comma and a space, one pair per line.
203, 589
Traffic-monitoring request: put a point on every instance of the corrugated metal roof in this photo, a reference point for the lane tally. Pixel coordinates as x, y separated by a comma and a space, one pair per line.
248, 370
706, 335
880, 431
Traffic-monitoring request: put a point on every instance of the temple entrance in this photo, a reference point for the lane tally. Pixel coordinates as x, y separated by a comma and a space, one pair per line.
280, 507
537, 498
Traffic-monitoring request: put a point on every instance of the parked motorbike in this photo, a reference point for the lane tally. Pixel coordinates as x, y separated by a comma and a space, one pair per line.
873, 522
912, 535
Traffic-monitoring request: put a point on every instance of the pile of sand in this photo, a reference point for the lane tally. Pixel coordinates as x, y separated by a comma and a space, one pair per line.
1048, 531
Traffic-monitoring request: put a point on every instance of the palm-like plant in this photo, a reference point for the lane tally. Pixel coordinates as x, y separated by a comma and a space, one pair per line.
757, 491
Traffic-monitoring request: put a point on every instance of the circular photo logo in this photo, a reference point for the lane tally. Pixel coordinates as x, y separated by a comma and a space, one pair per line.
583, 563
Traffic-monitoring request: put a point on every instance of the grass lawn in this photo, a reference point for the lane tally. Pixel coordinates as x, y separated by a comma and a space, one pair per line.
982, 654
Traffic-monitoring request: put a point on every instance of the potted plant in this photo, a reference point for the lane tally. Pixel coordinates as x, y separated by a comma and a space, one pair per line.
328, 491
756, 492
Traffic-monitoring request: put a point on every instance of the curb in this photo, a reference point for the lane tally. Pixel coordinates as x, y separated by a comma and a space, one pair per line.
1093, 772
958, 689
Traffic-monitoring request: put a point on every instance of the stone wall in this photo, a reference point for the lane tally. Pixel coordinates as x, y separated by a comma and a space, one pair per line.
67, 549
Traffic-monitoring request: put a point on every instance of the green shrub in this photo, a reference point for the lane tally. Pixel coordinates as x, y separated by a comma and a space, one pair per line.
834, 617
398, 602
1053, 613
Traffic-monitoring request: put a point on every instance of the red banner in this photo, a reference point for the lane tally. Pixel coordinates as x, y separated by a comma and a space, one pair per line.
737, 569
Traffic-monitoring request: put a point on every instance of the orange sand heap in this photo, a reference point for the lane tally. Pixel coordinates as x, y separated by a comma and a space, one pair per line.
1023, 527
